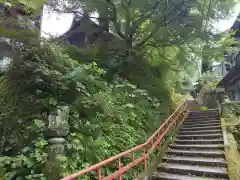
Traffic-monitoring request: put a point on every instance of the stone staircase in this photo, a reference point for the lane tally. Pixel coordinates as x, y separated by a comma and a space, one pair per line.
198, 151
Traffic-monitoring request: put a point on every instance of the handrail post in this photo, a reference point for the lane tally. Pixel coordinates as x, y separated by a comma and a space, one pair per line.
145, 159
133, 156
99, 173
119, 167
150, 143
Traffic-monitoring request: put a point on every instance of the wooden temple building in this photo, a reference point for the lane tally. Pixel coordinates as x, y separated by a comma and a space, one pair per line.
85, 31
91, 36
231, 81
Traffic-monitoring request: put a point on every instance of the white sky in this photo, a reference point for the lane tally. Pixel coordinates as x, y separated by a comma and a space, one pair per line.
223, 25
56, 24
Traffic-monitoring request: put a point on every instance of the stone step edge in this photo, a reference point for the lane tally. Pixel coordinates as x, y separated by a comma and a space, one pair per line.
198, 125
201, 122
218, 172
203, 131
198, 146
203, 128
196, 153
170, 176
203, 116
215, 152
202, 136
196, 160
199, 141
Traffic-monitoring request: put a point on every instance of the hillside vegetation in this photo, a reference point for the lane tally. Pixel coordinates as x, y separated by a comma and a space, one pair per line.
105, 118
160, 46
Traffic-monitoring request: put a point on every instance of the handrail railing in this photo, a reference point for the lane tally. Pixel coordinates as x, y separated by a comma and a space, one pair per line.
152, 143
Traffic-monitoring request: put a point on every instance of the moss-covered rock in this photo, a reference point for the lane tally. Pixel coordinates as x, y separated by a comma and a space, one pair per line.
233, 158
231, 114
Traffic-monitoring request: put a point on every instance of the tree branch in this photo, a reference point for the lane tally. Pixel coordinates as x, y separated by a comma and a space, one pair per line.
114, 19
155, 30
91, 17
142, 18
127, 35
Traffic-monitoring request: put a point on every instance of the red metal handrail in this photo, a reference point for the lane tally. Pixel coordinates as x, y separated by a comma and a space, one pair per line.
152, 142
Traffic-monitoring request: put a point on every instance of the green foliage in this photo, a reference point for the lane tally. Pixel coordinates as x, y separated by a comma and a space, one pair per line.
233, 158
210, 79
216, 48
231, 120
110, 111
231, 112
105, 117
161, 42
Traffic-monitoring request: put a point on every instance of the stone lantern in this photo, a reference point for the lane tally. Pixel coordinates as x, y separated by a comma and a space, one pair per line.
56, 133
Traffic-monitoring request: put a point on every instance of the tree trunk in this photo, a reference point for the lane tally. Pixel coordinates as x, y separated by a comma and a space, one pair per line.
104, 17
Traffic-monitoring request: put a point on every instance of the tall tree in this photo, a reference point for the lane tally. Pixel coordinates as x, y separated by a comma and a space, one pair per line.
159, 38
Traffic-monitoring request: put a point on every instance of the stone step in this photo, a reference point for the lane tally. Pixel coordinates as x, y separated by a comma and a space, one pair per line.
196, 153
203, 117
214, 172
201, 128
199, 141
168, 176
200, 136
198, 146
201, 125
183, 132
204, 112
196, 124
219, 162
201, 120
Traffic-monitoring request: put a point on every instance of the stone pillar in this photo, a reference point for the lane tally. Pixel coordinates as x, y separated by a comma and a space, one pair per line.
56, 134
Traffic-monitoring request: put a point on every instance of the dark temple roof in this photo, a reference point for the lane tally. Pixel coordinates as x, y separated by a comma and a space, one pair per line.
76, 24
236, 27
84, 31
234, 74
231, 78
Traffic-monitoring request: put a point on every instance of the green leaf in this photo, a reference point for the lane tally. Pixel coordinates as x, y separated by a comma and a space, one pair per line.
129, 105
33, 4
41, 144
39, 123
52, 101
62, 158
